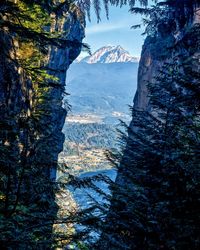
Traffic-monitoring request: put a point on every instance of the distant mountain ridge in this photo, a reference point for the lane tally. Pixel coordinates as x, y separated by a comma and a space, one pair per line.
110, 54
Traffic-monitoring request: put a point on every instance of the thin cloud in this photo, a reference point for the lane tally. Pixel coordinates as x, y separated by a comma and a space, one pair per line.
106, 27
101, 28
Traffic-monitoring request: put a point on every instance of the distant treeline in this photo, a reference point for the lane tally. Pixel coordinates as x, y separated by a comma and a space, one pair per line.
92, 135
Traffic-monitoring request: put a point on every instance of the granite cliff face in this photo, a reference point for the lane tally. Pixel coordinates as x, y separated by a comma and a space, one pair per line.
59, 61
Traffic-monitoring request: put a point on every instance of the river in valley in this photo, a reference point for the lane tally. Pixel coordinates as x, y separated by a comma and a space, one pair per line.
83, 195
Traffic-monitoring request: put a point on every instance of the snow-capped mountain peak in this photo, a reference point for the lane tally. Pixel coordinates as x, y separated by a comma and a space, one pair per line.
110, 54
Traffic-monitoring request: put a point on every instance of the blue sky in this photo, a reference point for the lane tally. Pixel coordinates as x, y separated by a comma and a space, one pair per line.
115, 31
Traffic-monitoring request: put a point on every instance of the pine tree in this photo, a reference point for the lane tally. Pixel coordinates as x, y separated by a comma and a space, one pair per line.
155, 202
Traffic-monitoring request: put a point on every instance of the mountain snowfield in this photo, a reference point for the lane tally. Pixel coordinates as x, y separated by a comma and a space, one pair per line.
110, 54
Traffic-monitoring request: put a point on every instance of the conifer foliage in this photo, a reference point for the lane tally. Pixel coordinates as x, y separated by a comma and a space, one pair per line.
155, 202
27, 92
157, 206
28, 84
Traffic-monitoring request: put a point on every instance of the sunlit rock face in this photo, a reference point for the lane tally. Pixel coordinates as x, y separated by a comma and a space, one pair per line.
59, 61
148, 67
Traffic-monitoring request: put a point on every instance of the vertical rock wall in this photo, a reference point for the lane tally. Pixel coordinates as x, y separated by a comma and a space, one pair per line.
59, 61
155, 52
